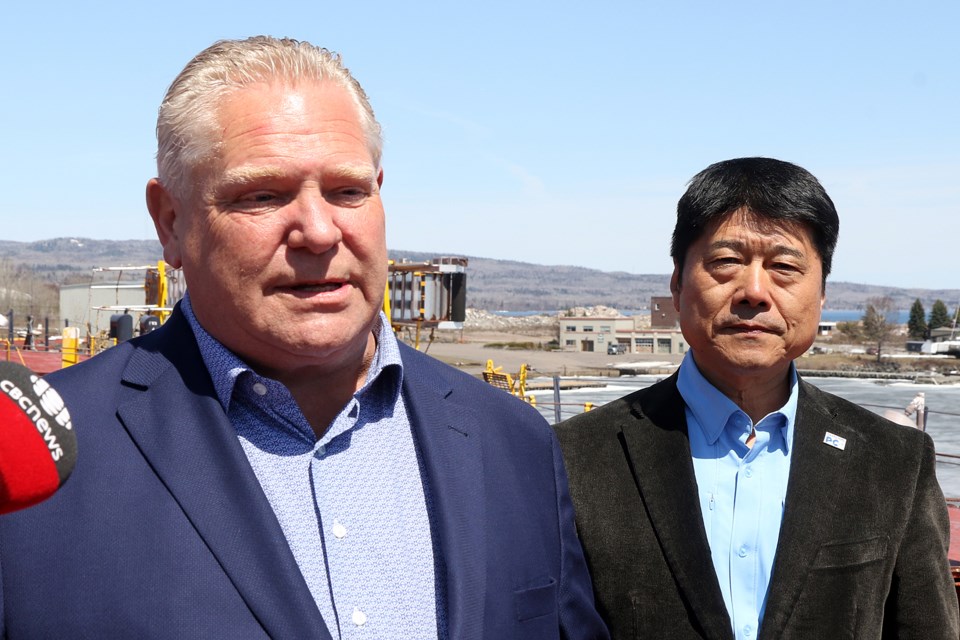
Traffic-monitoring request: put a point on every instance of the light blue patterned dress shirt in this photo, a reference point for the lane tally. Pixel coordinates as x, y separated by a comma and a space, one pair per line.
353, 505
741, 490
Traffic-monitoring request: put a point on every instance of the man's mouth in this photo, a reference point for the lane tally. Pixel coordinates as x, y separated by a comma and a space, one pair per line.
317, 287
750, 328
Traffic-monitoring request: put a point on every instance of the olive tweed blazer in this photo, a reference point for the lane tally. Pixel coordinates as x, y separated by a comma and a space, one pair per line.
863, 544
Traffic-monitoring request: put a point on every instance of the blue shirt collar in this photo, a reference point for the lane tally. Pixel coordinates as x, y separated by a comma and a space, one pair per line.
713, 410
226, 368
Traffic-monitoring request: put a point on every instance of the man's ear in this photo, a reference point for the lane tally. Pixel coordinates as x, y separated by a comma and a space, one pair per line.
380, 178
675, 286
164, 208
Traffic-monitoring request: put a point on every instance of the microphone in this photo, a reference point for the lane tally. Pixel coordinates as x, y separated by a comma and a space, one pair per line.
38, 447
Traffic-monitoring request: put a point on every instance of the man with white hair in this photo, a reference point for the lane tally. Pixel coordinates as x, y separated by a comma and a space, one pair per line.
271, 462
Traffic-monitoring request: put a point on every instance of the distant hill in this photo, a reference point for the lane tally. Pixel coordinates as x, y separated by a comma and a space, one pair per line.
491, 284
68, 260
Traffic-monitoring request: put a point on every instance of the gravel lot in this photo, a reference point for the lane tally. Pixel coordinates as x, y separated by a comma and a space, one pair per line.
468, 350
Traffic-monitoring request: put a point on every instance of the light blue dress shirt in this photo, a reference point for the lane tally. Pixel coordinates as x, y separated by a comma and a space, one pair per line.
741, 490
352, 505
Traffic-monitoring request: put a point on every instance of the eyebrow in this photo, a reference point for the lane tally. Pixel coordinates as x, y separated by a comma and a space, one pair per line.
779, 249
246, 175
359, 172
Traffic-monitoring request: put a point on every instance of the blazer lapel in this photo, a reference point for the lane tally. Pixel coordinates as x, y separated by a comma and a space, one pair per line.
175, 419
659, 450
449, 442
816, 474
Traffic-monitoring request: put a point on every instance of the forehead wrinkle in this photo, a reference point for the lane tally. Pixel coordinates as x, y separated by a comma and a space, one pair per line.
777, 249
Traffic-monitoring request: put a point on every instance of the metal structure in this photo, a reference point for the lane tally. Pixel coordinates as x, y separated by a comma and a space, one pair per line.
515, 385
117, 298
162, 288
426, 295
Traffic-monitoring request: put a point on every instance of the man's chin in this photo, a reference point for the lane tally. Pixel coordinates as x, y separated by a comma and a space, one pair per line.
758, 367
752, 358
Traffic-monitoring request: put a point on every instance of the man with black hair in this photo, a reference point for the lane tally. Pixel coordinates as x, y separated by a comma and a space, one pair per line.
734, 499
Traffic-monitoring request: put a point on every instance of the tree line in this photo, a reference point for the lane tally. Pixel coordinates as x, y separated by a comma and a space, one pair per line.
919, 325
24, 293
879, 322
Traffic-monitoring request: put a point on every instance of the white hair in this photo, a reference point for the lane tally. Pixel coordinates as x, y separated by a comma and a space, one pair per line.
187, 122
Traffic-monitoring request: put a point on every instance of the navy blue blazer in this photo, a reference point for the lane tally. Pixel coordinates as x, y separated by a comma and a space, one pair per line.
163, 531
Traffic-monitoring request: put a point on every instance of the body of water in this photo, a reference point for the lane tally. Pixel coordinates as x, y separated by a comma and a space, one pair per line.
855, 315
943, 402
828, 315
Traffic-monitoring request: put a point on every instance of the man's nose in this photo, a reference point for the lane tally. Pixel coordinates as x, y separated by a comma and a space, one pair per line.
754, 287
313, 223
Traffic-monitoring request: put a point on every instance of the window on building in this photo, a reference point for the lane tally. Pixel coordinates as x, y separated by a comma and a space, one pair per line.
587, 327
570, 343
663, 345
605, 328
571, 328
643, 345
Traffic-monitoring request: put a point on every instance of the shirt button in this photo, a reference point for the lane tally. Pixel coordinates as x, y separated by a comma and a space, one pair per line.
742, 552
749, 472
321, 450
339, 531
747, 630
359, 617
260, 389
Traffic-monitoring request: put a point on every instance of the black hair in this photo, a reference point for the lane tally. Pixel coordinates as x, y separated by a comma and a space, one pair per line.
767, 188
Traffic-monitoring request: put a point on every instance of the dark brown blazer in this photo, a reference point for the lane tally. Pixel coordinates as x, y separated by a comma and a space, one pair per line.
863, 544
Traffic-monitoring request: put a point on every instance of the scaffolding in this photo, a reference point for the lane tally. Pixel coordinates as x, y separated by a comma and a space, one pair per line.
426, 295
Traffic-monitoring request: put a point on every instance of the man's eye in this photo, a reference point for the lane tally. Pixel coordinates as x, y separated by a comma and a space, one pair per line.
785, 266
254, 201
349, 196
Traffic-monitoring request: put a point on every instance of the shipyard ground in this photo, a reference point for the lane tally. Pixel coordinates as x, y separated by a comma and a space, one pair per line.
471, 351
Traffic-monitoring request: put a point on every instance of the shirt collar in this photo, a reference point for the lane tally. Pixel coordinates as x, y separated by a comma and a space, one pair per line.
712, 409
225, 367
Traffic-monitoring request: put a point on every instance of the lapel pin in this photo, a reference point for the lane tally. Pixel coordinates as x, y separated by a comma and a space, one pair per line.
834, 441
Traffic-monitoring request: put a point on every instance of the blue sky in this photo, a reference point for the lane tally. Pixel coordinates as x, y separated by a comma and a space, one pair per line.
545, 132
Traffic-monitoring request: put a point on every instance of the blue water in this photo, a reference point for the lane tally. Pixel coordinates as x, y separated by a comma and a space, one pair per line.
828, 315
553, 312
847, 315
